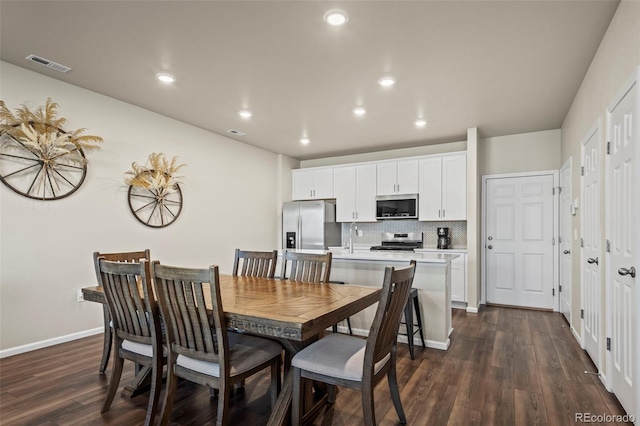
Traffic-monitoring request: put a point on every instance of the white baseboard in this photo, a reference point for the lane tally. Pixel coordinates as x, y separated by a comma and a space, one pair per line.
434, 344
49, 342
577, 336
473, 309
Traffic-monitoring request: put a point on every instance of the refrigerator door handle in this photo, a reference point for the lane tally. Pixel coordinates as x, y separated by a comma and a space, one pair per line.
299, 234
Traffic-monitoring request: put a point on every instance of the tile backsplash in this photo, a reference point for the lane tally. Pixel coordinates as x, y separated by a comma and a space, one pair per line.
371, 232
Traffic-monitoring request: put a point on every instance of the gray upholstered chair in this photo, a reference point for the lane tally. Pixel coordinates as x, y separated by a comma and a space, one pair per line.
200, 349
340, 360
255, 263
134, 256
136, 324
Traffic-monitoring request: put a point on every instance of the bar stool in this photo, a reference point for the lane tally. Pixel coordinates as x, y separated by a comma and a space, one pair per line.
408, 320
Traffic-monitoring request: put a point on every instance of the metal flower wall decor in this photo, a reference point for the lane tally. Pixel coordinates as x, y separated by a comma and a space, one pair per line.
38, 159
155, 198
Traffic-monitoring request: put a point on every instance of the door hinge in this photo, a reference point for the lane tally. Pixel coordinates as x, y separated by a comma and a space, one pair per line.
582, 171
581, 242
608, 148
582, 313
608, 343
607, 246
553, 191
559, 239
553, 292
553, 241
559, 289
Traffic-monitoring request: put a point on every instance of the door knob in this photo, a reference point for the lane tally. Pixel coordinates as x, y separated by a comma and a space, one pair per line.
592, 260
624, 271
489, 238
489, 246
567, 251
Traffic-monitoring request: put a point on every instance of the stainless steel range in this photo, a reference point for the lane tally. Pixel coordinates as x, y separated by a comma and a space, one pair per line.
400, 241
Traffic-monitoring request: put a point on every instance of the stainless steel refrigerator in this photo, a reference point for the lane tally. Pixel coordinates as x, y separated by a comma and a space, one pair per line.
310, 225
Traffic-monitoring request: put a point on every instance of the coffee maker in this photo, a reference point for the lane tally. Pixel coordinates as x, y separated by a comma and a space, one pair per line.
444, 241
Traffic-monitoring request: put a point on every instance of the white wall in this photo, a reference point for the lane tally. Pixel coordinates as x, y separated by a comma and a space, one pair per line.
230, 193
524, 152
617, 57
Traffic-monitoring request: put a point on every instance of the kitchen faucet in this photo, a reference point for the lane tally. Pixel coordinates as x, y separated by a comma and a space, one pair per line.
352, 226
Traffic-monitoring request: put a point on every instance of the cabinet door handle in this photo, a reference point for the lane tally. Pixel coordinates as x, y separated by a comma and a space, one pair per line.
398, 188
439, 211
353, 215
624, 271
443, 215
356, 215
592, 260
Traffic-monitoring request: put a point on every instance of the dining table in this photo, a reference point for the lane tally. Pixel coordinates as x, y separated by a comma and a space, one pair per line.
296, 313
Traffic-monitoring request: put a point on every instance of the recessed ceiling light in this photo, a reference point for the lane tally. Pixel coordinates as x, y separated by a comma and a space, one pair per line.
359, 111
245, 114
166, 78
336, 17
304, 141
421, 123
387, 81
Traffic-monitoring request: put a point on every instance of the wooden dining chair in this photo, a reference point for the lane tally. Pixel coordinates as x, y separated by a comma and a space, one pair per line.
136, 324
306, 267
134, 256
255, 263
341, 360
200, 349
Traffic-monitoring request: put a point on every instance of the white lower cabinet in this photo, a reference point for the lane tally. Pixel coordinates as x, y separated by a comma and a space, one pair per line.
459, 278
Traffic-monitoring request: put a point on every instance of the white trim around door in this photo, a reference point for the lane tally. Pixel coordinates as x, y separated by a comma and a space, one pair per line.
553, 236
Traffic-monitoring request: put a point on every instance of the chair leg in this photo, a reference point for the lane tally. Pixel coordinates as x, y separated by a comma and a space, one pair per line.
107, 339
331, 394
416, 307
167, 406
296, 402
223, 404
408, 318
116, 373
395, 392
349, 325
154, 394
334, 328
367, 406
275, 381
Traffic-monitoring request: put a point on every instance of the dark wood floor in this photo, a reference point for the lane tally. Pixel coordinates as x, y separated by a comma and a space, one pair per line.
504, 367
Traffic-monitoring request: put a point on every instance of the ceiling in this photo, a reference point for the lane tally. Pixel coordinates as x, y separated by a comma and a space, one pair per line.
506, 67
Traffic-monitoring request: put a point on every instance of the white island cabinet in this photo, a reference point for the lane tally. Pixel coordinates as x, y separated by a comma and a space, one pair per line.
432, 280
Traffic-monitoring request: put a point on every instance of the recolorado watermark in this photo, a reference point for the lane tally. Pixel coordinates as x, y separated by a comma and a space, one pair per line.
604, 418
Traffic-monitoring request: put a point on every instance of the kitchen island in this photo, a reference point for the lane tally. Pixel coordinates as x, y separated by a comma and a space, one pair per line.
432, 280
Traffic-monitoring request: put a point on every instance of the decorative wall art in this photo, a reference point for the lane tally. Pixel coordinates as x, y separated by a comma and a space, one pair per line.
38, 159
155, 198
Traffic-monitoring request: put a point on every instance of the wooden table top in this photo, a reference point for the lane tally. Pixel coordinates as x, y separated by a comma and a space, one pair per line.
282, 308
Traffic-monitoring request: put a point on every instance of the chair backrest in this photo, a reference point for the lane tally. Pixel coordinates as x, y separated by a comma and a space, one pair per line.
130, 298
255, 263
306, 267
393, 298
133, 256
191, 305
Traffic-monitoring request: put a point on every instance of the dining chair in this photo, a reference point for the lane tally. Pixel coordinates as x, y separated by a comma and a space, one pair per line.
341, 360
200, 349
134, 256
136, 325
306, 267
255, 263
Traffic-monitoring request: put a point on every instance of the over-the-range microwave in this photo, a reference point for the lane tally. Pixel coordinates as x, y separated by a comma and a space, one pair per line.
397, 206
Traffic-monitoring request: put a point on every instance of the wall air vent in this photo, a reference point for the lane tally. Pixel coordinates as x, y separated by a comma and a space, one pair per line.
47, 63
236, 132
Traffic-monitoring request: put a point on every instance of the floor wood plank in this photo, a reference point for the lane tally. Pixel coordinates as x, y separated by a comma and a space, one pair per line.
504, 367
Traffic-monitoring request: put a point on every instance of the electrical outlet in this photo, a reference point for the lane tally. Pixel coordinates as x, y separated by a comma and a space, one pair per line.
80, 296
360, 232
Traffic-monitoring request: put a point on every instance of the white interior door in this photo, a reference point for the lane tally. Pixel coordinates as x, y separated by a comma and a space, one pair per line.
591, 256
623, 182
564, 233
519, 237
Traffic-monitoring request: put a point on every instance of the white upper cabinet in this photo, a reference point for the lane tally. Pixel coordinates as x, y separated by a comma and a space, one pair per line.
397, 177
312, 184
443, 188
355, 192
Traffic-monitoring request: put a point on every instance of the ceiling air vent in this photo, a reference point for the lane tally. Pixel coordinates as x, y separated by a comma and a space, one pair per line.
47, 63
236, 132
